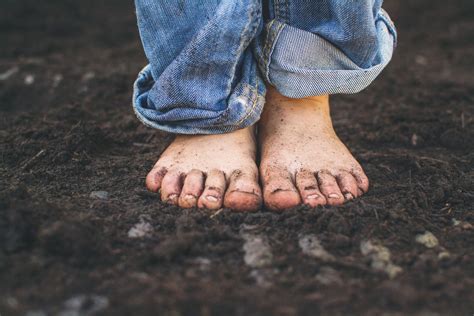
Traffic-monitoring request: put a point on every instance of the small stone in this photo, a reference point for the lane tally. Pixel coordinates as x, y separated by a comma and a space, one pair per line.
84, 305
29, 80
203, 263
262, 277
421, 60
414, 139
466, 225
57, 80
311, 246
427, 239
444, 255
88, 76
101, 195
257, 251
11, 302
456, 222
9, 73
140, 230
328, 276
380, 258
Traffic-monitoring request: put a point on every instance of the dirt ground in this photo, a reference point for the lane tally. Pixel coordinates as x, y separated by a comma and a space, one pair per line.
80, 235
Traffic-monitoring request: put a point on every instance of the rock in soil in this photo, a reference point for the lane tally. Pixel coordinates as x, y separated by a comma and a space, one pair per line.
379, 257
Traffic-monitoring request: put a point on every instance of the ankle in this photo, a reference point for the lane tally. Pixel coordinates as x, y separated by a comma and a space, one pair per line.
318, 102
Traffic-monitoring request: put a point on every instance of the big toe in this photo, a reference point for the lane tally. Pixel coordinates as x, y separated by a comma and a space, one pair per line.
243, 193
279, 192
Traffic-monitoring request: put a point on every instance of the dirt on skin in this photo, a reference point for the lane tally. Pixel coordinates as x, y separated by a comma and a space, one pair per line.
67, 132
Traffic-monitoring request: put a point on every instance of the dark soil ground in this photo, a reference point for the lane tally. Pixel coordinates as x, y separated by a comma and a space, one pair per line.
67, 129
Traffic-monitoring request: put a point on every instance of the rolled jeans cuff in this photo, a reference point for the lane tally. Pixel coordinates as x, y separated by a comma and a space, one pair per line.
244, 108
301, 64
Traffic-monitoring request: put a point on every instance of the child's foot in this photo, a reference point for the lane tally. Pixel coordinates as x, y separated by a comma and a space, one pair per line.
209, 171
303, 160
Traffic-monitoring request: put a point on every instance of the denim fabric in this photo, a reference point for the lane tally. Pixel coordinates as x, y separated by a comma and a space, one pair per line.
209, 60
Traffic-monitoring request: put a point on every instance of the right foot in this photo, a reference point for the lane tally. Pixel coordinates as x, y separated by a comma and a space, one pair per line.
209, 171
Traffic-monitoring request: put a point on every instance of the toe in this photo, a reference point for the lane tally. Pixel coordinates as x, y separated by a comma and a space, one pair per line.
171, 187
279, 192
154, 178
192, 189
214, 189
361, 179
347, 185
243, 192
309, 190
329, 187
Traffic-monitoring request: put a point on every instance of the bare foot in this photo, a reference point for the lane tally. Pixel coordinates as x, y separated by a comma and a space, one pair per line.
303, 160
209, 171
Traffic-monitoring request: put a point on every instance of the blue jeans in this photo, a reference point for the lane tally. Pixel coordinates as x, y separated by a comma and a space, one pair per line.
209, 60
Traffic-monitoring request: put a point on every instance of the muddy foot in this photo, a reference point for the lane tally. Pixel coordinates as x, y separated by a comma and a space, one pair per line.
303, 160
209, 171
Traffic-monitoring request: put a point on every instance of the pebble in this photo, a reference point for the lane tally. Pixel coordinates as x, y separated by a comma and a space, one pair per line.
421, 60
380, 258
57, 80
29, 80
204, 264
427, 239
101, 195
257, 251
84, 305
311, 246
414, 139
464, 225
7, 74
444, 255
88, 76
140, 230
11, 302
328, 276
262, 277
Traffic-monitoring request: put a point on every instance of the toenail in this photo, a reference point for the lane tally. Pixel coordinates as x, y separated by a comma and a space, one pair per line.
333, 196
189, 197
313, 197
348, 196
211, 198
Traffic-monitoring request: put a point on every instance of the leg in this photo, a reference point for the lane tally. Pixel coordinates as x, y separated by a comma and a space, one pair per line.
303, 160
202, 79
314, 48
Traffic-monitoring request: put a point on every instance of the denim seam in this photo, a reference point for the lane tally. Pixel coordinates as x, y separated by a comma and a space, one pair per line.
270, 42
254, 101
277, 8
249, 28
383, 15
282, 9
253, 97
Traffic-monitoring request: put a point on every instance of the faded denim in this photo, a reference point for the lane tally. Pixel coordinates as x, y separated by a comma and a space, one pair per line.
209, 60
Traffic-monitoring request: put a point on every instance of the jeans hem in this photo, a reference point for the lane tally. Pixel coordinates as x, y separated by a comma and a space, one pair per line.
321, 67
245, 96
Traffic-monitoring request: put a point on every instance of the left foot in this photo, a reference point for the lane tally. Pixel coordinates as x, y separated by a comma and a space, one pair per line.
302, 159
